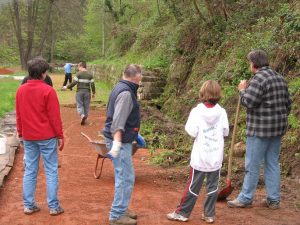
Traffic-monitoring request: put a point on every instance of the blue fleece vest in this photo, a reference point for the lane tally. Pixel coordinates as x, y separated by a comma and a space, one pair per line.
132, 125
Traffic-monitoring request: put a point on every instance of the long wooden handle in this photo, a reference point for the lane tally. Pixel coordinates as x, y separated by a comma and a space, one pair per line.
83, 134
233, 139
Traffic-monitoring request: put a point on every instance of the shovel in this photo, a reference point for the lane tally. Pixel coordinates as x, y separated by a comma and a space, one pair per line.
223, 194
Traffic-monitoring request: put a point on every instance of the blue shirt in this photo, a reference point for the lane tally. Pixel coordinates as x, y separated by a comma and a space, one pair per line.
68, 68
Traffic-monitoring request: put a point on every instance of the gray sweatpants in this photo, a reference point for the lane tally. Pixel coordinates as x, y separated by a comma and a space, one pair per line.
192, 191
83, 99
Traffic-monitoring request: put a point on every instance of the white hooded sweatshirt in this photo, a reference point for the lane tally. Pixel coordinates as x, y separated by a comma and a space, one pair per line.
208, 126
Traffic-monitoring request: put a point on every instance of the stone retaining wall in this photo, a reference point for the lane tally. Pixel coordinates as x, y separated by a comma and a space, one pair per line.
152, 85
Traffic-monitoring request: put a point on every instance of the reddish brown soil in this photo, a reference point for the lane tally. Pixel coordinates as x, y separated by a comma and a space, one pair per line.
5, 71
87, 200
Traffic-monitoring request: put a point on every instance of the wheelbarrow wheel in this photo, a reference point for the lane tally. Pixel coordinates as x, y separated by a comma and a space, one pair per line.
97, 173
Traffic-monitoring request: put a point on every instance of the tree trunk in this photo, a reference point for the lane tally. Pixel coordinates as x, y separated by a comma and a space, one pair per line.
15, 15
103, 30
46, 27
52, 43
30, 29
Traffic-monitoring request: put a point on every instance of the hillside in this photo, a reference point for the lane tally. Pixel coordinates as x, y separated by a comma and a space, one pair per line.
187, 47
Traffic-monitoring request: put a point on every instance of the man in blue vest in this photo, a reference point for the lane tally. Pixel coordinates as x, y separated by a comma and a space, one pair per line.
121, 129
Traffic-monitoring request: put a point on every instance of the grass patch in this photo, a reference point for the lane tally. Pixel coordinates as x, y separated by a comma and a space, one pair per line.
8, 89
102, 93
68, 97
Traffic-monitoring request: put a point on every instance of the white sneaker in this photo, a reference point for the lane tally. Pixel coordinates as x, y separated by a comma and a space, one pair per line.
208, 219
175, 216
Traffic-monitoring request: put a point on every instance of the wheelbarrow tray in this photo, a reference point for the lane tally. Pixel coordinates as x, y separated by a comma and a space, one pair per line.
100, 147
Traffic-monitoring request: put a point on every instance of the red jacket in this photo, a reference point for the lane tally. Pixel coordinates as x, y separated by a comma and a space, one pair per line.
38, 112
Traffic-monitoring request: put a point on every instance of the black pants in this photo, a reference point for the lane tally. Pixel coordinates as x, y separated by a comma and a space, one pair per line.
192, 191
68, 77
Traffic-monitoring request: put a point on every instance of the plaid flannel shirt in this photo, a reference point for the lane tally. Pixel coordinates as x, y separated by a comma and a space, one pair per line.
268, 104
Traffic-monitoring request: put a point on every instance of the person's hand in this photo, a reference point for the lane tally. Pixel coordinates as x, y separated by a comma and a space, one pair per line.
61, 143
21, 142
242, 85
115, 149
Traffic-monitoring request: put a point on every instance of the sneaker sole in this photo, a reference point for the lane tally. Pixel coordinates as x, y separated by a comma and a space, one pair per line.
30, 213
239, 206
119, 223
172, 219
57, 213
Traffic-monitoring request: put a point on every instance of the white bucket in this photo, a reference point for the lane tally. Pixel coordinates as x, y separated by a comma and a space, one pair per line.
2, 144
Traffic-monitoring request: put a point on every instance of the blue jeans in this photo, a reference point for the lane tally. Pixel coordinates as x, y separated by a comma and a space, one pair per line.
258, 150
33, 150
124, 180
83, 99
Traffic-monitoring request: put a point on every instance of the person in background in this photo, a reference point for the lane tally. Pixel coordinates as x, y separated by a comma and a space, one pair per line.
268, 104
121, 129
47, 80
39, 125
208, 124
85, 83
68, 74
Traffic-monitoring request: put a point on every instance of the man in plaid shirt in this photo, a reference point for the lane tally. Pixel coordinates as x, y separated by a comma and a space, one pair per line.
268, 104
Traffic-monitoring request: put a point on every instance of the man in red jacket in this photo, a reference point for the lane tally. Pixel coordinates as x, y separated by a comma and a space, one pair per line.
39, 125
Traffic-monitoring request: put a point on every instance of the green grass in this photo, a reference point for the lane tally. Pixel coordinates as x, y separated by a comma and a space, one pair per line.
20, 73
8, 89
102, 93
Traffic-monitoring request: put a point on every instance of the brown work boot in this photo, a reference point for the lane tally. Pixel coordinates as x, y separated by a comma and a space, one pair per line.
124, 220
130, 214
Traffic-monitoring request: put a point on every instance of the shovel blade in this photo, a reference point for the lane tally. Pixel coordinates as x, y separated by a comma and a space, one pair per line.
223, 194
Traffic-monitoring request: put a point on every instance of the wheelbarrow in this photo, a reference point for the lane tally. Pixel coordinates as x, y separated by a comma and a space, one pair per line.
101, 150
100, 147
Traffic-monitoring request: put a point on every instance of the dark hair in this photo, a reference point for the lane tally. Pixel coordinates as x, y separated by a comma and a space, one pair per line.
132, 70
258, 58
210, 92
82, 64
36, 67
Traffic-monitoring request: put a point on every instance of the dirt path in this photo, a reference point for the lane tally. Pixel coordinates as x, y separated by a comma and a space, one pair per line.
87, 200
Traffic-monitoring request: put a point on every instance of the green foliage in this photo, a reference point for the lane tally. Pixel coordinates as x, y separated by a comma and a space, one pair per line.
228, 93
156, 62
294, 85
74, 49
8, 56
294, 122
8, 89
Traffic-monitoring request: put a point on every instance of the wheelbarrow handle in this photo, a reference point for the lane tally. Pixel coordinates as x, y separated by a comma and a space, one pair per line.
87, 137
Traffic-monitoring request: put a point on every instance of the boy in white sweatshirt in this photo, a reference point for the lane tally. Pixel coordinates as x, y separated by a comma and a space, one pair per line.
208, 124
